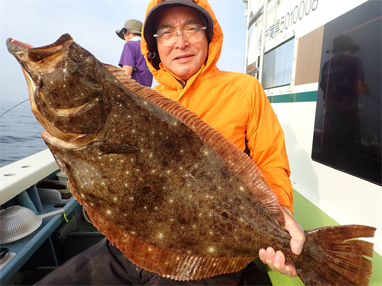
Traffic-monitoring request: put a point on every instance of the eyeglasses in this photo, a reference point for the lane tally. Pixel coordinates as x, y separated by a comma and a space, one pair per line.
192, 32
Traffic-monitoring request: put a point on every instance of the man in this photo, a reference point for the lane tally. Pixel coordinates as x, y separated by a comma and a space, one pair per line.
182, 42
132, 60
342, 82
182, 56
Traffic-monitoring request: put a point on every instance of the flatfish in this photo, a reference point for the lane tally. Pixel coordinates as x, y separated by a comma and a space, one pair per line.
174, 195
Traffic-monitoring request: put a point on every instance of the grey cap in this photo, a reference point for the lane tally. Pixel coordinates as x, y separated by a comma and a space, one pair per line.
151, 19
133, 26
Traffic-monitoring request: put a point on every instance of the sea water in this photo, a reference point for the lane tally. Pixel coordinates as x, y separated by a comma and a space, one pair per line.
20, 132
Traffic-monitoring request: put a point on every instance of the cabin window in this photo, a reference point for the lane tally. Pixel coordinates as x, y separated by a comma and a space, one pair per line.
254, 46
278, 64
348, 127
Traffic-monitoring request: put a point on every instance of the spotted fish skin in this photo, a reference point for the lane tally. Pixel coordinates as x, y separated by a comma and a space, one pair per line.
139, 166
174, 195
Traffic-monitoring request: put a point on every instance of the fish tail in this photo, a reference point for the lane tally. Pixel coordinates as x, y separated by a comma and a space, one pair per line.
334, 256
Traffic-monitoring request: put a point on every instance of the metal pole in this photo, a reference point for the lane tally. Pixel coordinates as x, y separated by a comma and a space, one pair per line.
248, 3
264, 27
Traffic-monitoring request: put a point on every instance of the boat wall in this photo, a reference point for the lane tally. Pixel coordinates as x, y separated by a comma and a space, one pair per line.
20, 175
346, 198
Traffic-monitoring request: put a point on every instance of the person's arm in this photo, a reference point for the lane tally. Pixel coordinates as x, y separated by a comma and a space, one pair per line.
127, 61
266, 144
128, 69
267, 148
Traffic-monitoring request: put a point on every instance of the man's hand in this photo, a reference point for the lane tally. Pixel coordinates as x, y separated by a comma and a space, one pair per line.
276, 260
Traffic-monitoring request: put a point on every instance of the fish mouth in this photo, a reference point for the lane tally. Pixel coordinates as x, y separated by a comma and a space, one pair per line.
14, 45
34, 60
37, 64
26, 52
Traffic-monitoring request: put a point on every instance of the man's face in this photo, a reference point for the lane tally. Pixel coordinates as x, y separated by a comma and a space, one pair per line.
185, 57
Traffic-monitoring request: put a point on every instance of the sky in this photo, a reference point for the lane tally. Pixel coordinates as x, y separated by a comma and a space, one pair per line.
92, 24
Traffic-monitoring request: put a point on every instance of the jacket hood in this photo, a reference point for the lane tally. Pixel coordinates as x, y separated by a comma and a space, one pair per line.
162, 75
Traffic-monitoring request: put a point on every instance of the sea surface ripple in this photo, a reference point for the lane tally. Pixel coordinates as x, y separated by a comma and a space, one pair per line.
20, 132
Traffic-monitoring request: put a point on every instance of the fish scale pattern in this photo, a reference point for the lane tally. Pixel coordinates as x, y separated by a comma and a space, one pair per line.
240, 163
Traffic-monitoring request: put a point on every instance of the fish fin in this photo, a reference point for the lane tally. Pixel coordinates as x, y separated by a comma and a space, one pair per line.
127, 81
336, 257
239, 162
167, 263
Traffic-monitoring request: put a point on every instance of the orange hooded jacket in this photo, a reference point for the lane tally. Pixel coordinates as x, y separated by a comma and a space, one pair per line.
235, 105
